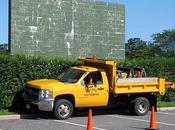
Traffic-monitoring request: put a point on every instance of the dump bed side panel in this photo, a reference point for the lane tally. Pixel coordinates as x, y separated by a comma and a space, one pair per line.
140, 85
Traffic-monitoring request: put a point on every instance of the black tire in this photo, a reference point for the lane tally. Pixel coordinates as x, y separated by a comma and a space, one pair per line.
140, 106
63, 109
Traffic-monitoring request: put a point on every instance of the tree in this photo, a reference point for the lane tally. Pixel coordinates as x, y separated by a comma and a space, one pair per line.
163, 44
3, 47
165, 41
135, 47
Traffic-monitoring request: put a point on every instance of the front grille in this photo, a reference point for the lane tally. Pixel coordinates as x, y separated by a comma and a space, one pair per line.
32, 93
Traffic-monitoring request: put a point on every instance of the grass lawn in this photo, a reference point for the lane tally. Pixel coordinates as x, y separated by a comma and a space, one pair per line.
6, 112
165, 104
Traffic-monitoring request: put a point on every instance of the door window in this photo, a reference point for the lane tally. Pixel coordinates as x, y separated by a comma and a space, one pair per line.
93, 78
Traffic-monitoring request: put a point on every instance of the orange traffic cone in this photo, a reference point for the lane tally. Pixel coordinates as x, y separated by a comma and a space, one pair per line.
89, 124
152, 120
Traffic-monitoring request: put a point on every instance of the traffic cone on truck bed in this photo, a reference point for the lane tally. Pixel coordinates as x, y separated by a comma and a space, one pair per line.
89, 123
152, 120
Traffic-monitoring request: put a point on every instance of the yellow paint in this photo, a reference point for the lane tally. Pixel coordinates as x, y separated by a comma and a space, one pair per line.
141, 87
92, 95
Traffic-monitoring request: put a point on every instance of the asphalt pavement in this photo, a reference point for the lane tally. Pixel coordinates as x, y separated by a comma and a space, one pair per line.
102, 120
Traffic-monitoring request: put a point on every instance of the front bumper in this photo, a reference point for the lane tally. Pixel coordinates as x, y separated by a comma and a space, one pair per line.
46, 105
43, 105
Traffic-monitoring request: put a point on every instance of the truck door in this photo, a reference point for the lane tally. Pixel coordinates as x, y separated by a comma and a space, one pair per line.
93, 90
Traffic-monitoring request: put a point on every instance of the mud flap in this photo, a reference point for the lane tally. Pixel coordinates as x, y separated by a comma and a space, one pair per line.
153, 102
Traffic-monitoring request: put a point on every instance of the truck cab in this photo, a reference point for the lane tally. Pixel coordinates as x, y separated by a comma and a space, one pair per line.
80, 86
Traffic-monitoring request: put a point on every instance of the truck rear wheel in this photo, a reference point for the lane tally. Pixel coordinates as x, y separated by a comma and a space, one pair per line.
140, 106
63, 109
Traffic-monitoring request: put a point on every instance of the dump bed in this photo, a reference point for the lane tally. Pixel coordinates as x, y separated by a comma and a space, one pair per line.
125, 85
140, 85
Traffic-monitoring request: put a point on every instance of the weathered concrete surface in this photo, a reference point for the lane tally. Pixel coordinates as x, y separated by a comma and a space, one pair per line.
67, 28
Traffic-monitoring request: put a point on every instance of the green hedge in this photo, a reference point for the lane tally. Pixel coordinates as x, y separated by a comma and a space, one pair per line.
169, 95
15, 70
155, 67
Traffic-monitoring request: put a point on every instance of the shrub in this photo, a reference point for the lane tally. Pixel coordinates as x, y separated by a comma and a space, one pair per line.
169, 95
15, 70
155, 67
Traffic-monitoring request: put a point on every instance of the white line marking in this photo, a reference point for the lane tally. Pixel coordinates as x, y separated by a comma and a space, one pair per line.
75, 124
141, 120
166, 113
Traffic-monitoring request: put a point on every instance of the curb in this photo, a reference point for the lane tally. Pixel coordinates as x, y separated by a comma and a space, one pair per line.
166, 109
30, 116
8, 117
12, 117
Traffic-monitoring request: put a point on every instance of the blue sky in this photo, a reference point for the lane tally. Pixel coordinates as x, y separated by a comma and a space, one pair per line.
143, 17
3, 21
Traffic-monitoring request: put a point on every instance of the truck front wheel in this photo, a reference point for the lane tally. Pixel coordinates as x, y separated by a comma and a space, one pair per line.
140, 106
63, 109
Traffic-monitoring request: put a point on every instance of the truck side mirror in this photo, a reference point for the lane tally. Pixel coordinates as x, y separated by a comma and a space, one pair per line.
83, 83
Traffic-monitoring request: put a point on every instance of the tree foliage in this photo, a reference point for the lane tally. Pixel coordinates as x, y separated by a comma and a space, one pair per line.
163, 45
3, 48
164, 38
165, 41
133, 47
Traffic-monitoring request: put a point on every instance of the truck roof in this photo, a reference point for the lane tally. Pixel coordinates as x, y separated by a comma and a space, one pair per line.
96, 61
86, 68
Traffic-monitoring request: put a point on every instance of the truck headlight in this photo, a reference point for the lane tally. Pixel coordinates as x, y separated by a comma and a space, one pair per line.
45, 94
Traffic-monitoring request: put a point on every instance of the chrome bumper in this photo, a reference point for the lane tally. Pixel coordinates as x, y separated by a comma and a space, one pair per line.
43, 105
46, 105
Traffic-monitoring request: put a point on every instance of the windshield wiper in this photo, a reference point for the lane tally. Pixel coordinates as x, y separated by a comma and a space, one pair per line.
62, 80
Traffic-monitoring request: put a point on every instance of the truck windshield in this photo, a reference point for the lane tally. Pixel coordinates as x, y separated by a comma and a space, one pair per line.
70, 76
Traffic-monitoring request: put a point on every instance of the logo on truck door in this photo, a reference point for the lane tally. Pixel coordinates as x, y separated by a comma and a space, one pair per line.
91, 91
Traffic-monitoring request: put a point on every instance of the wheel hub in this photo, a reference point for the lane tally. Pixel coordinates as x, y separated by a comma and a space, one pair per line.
142, 107
63, 110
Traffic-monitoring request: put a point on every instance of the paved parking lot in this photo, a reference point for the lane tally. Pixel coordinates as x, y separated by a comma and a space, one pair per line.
102, 120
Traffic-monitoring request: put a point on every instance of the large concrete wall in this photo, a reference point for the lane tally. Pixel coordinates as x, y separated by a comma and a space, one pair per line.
67, 28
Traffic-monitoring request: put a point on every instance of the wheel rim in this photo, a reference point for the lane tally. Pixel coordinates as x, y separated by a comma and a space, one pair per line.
142, 107
63, 110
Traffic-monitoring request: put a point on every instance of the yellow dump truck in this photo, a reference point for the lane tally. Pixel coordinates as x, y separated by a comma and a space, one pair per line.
94, 84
